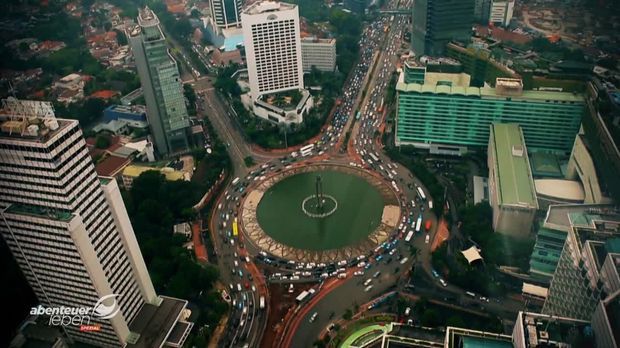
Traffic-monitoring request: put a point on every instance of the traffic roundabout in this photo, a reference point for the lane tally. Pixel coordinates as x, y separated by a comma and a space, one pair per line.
319, 213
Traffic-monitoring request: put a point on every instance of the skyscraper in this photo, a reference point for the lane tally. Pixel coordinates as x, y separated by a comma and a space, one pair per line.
226, 13
162, 85
70, 234
587, 271
437, 22
272, 47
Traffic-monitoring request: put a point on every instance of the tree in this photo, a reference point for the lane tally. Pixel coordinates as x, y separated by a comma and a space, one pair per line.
431, 318
103, 141
121, 39
348, 314
249, 161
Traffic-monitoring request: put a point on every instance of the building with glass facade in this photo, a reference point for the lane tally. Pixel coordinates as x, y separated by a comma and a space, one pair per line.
162, 85
586, 272
437, 22
226, 13
452, 119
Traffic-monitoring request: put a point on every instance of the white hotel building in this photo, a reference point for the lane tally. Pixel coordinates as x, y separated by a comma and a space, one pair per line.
273, 51
70, 233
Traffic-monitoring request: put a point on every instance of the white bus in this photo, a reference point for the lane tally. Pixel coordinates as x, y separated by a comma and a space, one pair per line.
421, 193
262, 302
409, 235
306, 150
304, 294
418, 224
235, 181
373, 156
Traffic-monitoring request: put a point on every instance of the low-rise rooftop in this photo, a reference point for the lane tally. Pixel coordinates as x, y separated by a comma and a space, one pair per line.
514, 182
540, 330
154, 324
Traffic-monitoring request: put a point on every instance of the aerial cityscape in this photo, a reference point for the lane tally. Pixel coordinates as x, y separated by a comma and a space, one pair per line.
310, 173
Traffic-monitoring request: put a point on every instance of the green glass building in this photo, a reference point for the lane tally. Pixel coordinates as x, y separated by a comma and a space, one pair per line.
437, 22
162, 86
450, 119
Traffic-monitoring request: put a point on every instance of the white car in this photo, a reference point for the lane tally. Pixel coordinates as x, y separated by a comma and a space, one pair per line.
443, 282
427, 239
358, 273
361, 264
313, 317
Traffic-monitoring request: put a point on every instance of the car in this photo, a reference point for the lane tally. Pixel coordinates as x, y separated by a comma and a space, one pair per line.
253, 288
358, 273
377, 274
246, 285
330, 327
361, 264
313, 317
443, 282
241, 273
435, 274
485, 299
427, 239
368, 265
407, 311
342, 275
367, 289
236, 263
404, 260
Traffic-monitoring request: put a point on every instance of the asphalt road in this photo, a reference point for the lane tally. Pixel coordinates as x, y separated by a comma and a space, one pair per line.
350, 291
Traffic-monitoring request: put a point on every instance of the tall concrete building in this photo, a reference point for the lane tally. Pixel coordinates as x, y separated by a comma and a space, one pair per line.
272, 47
162, 85
511, 186
437, 22
587, 270
501, 12
320, 53
226, 13
70, 234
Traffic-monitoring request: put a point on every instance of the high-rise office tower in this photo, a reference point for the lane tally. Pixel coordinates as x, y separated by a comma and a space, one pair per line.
272, 47
70, 234
437, 22
226, 13
162, 85
501, 12
587, 270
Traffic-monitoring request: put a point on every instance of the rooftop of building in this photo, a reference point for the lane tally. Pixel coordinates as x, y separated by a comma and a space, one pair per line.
542, 330
154, 324
465, 338
314, 39
558, 215
268, 6
28, 120
146, 17
547, 251
514, 178
545, 165
111, 165
134, 171
40, 212
489, 93
561, 189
